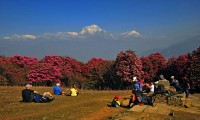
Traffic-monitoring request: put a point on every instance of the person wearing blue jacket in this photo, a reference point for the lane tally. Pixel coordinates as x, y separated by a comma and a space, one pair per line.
57, 90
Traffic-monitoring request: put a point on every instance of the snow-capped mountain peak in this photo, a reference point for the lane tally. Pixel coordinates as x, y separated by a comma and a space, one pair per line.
132, 33
73, 33
92, 29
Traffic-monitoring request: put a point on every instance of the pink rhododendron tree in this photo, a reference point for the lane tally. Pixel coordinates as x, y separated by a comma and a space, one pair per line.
72, 72
158, 63
147, 67
44, 74
53, 60
90, 65
194, 69
88, 72
100, 75
127, 65
22, 61
12, 74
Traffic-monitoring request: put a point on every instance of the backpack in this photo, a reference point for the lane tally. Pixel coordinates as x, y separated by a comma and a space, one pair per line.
160, 89
141, 98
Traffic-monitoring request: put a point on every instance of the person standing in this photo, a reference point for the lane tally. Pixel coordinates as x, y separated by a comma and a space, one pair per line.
186, 86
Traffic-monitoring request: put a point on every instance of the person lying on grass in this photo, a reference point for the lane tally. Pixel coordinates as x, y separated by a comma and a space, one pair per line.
29, 95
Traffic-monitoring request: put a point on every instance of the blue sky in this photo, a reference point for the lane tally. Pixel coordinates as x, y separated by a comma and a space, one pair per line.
39, 16
159, 20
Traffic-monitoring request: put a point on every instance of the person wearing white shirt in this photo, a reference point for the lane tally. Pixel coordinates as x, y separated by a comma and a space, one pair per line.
151, 87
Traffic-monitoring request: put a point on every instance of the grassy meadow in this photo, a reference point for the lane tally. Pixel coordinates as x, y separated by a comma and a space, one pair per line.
89, 105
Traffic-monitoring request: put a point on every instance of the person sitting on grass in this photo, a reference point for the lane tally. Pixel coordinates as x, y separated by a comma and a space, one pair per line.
57, 90
74, 91
116, 102
29, 95
175, 83
150, 93
137, 89
150, 86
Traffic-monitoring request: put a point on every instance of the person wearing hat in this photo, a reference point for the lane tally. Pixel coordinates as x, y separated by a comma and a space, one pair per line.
137, 89
116, 102
163, 85
57, 90
175, 83
137, 84
28, 93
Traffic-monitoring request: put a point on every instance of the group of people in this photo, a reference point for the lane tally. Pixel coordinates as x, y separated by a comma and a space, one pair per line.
29, 95
142, 92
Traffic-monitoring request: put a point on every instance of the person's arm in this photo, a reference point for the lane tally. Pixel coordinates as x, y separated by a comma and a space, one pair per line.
148, 86
35, 91
188, 85
59, 89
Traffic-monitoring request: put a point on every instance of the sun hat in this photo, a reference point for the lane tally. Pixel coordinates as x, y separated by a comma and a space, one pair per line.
58, 84
172, 76
161, 76
134, 78
28, 85
117, 97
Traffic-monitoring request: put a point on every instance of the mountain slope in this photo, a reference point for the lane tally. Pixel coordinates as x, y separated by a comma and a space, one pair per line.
177, 49
182, 47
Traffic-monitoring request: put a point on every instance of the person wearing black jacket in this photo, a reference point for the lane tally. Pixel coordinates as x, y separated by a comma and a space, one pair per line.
28, 94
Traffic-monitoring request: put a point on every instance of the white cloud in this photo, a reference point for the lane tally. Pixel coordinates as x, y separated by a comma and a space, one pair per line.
132, 33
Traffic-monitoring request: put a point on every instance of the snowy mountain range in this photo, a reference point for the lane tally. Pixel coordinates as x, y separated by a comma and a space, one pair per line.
91, 41
86, 32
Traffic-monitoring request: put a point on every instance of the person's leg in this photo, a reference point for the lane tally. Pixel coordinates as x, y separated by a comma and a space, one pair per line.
187, 93
132, 100
149, 94
149, 98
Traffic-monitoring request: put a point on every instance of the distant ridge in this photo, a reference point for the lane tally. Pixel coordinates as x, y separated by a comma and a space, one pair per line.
177, 49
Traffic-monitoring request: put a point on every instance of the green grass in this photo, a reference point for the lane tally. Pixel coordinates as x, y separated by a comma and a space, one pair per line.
89, 105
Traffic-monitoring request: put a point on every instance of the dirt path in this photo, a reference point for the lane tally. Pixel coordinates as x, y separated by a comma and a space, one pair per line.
164, 112
104, 113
